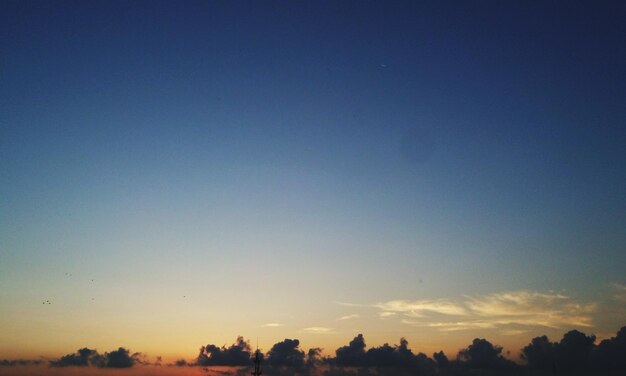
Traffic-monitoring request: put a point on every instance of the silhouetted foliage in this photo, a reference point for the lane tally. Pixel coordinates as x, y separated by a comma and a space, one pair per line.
482, 354
82, 358
120, 358
313, 357
611, 353
577, 351
353, 354
396, 357
19, 362
286, 353
85, 357
574, 350
238, 354
540, 353
441, 359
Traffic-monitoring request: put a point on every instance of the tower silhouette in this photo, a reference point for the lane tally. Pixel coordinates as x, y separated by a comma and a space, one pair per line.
257, 363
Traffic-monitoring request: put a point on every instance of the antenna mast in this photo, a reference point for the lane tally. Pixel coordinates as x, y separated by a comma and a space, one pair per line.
257, 360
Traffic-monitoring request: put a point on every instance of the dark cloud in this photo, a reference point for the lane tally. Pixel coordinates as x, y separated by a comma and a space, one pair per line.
85, 357
238, 354
286, 353
482, 354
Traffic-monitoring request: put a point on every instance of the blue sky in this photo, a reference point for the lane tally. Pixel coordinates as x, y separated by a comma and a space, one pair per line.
314, 152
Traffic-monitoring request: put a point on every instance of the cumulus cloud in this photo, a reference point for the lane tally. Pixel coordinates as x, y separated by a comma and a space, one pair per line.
238, 354
516, 308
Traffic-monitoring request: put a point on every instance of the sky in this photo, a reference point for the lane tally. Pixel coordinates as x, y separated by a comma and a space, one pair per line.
174, 174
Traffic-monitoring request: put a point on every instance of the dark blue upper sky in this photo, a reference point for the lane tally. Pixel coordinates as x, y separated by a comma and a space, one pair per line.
427, 136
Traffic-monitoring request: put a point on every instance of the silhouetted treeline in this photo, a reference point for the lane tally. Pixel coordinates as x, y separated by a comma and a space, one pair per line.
120, 358
577, 351
19, 362
574, 353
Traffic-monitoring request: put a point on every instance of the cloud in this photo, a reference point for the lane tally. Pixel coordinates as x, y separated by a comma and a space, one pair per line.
384, 315
419, 308
620, 292
532, 309
517, 308
349, 317
272, 325
512, 332
318, 330
346, 304
238, 354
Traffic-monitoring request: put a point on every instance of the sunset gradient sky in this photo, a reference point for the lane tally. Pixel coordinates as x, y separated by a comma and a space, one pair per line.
176, 174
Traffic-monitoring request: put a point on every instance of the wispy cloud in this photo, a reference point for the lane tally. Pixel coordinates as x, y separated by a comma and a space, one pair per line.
531, 309
349, 317
318, 330
272, 325
347, 304
620, 292
418, 308
500, 310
